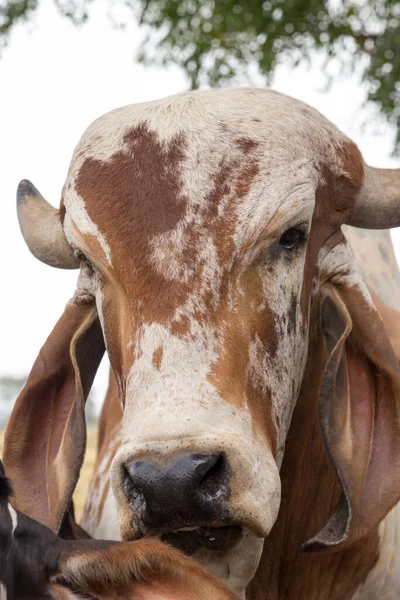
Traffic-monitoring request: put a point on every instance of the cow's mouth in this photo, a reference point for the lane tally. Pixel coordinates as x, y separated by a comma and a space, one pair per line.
190, 539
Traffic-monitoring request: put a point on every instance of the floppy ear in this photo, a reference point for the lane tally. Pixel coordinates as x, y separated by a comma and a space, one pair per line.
359, 409
45, 438
140, 570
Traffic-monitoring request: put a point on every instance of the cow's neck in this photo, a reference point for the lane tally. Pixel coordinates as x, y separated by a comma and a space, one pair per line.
310, 490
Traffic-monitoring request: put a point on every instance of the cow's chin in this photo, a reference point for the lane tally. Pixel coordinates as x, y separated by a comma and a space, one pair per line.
235, 566
231, 553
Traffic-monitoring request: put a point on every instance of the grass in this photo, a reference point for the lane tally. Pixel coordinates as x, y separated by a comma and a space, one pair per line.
86, 473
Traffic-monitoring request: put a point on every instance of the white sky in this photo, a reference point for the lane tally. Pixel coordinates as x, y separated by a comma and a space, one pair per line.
54, 80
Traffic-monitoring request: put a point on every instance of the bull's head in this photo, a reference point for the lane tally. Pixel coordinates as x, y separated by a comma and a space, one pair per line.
207, 229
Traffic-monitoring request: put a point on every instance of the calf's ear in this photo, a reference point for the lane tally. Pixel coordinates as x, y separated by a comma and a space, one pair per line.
140, 570
45, 438
359, 409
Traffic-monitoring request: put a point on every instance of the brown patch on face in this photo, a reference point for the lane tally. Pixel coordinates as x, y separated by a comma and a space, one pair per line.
122, 196
232, 182
237, 380
180, 327
223, 228
157, 358
246, 144
259, 403
247, 177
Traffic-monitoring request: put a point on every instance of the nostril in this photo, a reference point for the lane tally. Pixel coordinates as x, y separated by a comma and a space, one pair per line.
133, 493
213, 484
128, 483
214, 469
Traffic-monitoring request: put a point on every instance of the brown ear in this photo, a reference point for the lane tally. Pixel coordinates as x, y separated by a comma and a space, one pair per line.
45, 438
359, 409
140, 570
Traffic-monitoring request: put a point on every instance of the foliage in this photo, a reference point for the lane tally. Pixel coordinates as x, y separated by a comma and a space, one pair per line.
12, 11
216, 41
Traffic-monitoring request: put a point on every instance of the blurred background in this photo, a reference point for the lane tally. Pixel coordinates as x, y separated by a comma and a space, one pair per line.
65, 62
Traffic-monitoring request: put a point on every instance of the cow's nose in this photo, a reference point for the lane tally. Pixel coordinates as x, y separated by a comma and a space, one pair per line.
191, 492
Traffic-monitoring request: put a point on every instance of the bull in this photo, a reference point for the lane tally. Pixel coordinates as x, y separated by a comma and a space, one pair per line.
255, 407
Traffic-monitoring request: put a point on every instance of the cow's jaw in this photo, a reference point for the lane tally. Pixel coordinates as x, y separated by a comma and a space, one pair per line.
235, 567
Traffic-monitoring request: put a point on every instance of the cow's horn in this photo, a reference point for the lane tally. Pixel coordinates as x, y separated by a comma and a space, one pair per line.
378, 202
42, 229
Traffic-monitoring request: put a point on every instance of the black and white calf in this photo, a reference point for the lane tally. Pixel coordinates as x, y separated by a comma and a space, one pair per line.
37, 564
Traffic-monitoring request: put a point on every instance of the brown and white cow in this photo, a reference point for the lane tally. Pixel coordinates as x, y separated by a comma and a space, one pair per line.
258, 379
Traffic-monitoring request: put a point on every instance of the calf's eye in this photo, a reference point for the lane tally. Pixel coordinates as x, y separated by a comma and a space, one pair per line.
292, 238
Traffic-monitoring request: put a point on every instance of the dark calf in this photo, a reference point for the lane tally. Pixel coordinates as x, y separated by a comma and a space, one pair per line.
35, 563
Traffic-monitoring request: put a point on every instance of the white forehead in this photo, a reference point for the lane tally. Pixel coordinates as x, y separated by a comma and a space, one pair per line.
264, 116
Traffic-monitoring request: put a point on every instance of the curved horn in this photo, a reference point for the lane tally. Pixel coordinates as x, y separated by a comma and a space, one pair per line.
42, 229
378, 203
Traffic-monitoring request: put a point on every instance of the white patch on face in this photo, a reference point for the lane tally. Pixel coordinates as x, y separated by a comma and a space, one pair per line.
180, 380
258, 111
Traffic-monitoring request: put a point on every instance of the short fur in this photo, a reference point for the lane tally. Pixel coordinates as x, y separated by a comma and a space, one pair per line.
218, 333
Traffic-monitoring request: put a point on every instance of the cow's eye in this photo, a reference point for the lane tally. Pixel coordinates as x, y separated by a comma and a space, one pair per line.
292, 238
80, 256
